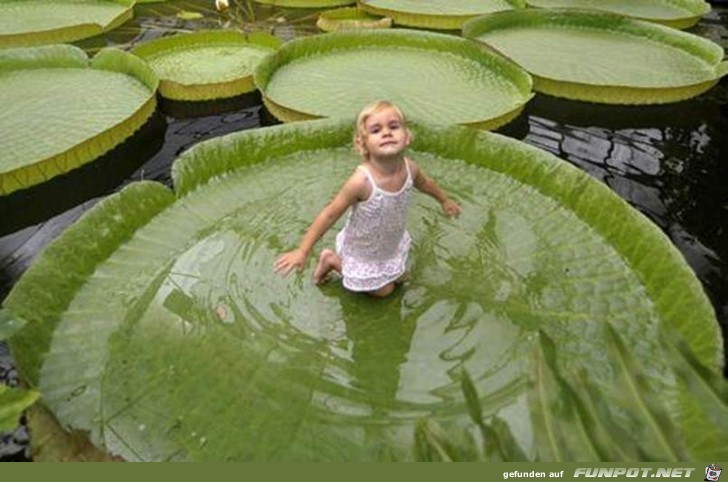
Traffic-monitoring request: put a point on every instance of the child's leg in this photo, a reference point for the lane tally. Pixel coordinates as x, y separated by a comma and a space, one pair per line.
387, 290
384, 291
328, 260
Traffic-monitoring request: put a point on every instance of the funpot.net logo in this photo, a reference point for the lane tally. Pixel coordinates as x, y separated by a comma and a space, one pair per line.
712, 473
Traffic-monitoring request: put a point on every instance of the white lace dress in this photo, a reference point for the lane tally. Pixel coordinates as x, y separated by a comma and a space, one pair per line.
374, 243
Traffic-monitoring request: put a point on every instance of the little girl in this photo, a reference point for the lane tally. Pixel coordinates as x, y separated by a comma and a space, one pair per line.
371, 249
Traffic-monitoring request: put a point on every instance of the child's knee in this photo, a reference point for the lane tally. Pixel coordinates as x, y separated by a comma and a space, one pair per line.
383, 291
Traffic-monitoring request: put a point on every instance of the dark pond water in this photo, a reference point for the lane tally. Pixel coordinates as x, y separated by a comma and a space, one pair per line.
670, 162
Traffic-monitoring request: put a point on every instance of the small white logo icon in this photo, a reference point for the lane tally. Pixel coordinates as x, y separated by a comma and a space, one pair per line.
712, 473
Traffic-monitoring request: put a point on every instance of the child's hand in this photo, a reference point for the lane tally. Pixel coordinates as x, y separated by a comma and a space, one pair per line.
287, 261
451, 208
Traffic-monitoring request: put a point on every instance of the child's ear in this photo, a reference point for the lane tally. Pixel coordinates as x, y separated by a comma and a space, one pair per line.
359, 144
410, 137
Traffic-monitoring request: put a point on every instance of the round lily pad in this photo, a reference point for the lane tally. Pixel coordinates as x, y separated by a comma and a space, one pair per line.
673, 13
350, 18
63, 111
208, 64
436, 14
432, 76
38, 22
172, 339
603, 57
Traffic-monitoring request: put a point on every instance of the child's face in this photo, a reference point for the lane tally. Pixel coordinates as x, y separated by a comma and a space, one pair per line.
384, 134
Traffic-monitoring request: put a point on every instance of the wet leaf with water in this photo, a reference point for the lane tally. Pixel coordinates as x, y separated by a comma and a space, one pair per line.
189, 347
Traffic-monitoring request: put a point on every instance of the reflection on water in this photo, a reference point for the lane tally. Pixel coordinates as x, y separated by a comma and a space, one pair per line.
391, 359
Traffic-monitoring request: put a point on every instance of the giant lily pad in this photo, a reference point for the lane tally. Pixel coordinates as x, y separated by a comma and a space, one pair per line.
673, 13
436, 14
62, 110
432, 76
206, 65
156, 325
603, 57
38, 22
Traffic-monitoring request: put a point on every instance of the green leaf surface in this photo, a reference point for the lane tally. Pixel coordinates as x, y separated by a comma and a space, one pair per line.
13, 402
602, 57
436, 14
207, 64
64, 111
432, 76
39, 22
674, 13
704, 405
176, 341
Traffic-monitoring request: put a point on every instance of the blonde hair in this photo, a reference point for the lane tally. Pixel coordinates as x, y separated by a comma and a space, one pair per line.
360, 132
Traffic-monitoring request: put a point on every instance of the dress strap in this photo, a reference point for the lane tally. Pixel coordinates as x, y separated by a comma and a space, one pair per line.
369, 176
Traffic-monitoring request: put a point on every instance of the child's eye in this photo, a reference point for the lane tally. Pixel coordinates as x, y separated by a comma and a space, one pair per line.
374, 130
394, 126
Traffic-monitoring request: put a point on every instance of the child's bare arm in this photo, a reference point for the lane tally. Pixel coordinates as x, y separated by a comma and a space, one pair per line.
351, 192
427, 185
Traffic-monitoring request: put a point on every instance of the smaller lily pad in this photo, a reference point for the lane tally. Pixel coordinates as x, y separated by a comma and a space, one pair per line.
26, 23
673, 13
350, 18
436, 14
430, 75
208, 64
64, 110
187, 15
602, 57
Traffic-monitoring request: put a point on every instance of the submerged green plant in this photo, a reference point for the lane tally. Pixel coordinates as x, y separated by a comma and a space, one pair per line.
242, 11
573, 418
